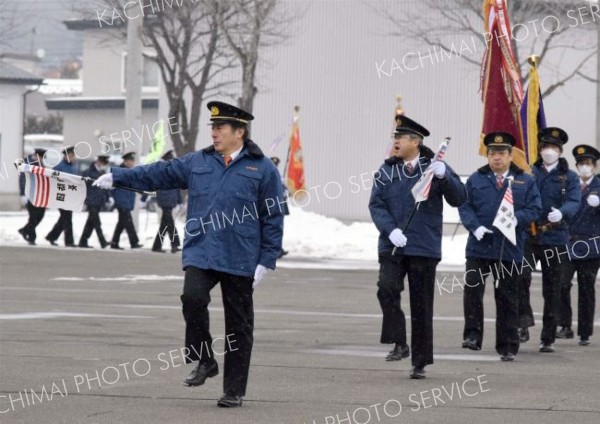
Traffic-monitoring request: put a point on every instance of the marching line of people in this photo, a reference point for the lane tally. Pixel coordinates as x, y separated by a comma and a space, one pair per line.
552, 207
96, 199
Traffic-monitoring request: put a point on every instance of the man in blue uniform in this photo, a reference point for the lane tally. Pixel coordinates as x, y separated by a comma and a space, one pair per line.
125, 202
233, 236
167, 200
65, 221
417, 247
35, 214
487, 246
94, 200
584, 249
561, 197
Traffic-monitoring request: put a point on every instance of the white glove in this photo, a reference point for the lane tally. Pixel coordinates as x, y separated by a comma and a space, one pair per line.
259, 275
480, 232
439, 169
104, 181
24, 200
555, 215
593, 200
515, 221
397, 238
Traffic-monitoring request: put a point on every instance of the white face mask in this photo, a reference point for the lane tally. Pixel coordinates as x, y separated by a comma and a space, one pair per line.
585, 171
549, 156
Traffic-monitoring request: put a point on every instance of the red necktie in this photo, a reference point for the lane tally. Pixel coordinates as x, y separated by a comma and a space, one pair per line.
499, 181
227, 160
585, 188
409, 168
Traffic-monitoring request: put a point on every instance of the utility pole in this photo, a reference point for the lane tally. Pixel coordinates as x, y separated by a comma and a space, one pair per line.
133, 83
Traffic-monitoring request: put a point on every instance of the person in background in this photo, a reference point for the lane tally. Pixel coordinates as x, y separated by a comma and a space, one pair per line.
35, 214
125, 202
65, 221
584, 251
561, 197
167, 200
95, 199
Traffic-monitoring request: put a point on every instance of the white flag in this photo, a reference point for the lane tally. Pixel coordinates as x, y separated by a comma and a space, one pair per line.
505, 217
47, 188
420, 190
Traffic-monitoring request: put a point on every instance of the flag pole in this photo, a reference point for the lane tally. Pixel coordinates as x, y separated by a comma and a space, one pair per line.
287, 158
416, 207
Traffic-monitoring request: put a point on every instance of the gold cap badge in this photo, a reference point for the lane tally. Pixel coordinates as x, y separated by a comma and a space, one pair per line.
214, 111
581, 150
555, 133
498, 139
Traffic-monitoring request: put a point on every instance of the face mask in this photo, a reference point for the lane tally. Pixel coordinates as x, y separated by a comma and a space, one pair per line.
549, 156
585, 171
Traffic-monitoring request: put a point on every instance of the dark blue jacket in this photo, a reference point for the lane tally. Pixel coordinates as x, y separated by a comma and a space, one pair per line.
585, 227
234, 215
480, 209
66, 166
551, 187
168, 199
95, 196
392, 202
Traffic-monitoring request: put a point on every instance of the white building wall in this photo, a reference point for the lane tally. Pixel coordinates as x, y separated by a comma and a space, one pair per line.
11, 135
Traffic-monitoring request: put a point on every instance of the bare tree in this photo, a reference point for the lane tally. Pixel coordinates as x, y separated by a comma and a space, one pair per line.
12, 17
249, 26
192, 57
548, 29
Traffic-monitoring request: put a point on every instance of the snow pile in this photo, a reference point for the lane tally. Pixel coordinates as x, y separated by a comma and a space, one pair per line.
307, 235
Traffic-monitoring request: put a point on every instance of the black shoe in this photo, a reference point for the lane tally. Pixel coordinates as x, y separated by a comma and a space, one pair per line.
23, 234
115, 246
84, 246
507, 357
137, 246
52, 242
417, 373
158, 250
546, 347
282, 253
398, 352
523, 334
31, 243
104, 244
175, 249
229, 401
71, 245
471, 343
202, 371
584, 341
565, 333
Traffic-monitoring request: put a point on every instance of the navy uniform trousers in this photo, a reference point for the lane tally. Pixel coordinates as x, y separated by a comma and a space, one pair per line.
421, 282
586, 269
239, 323
507, 302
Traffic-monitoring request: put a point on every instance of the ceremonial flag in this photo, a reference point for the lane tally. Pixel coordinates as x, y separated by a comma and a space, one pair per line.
420, 190
505, 217
397, 111
295, 165
46, 188
158, 144
501, 89
533, 118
